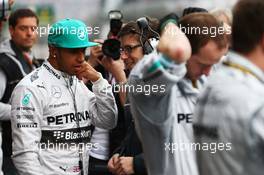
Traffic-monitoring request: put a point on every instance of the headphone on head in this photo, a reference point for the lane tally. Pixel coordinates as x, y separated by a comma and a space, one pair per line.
145, 29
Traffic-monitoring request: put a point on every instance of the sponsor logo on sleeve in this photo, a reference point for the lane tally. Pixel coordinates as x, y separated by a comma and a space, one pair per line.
22, 108
26, 99
25, 117
34, 76
27, 125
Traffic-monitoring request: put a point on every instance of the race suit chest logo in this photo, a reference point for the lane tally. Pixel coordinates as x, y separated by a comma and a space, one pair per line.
209, 131
185, 118
56, 91
70, 135
69, 118
74, 135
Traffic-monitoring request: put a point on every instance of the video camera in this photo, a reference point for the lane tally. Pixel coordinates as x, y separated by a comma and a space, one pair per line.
5, 9
111, 46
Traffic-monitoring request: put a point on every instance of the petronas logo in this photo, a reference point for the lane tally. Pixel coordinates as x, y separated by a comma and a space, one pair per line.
25, 100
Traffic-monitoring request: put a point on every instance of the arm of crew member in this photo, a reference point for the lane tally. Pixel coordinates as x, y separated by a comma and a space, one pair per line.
5, 109
166, 65
257, 132
26, 131
157, 73
139, 164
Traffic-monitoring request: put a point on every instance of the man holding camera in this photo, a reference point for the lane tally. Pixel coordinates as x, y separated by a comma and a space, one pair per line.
128, 158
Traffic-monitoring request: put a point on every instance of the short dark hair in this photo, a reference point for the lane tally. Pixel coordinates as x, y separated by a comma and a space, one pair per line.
248, 25
21, 13
190, 10
132, 28
202, 20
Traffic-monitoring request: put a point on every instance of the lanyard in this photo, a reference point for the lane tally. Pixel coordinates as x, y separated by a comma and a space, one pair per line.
69, 84
241, 68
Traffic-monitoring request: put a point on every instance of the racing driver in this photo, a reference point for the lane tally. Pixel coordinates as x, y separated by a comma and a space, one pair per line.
52, 109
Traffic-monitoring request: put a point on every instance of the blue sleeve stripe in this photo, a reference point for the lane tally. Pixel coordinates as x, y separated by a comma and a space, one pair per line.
156, 65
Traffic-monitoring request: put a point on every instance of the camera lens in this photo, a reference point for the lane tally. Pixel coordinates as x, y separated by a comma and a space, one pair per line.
111, 48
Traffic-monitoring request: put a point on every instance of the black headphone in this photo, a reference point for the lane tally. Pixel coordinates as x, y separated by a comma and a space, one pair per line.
144, 27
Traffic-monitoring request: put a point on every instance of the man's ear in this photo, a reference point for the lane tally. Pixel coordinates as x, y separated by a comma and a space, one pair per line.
11, 30
262, 42
52, 51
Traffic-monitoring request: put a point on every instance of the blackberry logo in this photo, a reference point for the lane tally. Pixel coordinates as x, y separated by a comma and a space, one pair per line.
70, 135
77, 135
58, 134
73, 135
